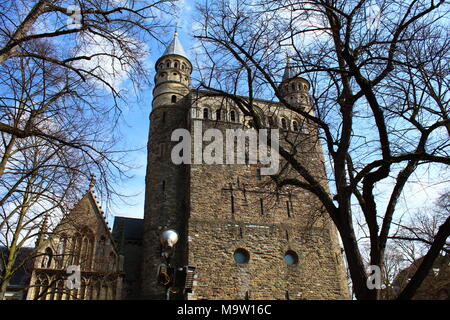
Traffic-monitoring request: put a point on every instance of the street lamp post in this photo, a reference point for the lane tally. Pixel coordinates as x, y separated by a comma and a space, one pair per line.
174, 279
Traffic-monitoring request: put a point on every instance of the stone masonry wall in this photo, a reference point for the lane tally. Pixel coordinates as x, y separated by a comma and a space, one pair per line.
226, 214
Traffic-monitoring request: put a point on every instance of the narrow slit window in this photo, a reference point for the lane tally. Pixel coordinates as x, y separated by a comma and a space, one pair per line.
288, 209
205, 113
258, 173
261, 207
232, 204
174, 99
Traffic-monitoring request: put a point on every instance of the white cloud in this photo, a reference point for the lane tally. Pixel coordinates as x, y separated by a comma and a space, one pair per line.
110, 61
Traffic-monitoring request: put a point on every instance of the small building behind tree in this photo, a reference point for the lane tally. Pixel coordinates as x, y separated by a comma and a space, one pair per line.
78, 260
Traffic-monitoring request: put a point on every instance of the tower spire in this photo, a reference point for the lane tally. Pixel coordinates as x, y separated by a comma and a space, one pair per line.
290, 71
175, 47
92, 182
43, 230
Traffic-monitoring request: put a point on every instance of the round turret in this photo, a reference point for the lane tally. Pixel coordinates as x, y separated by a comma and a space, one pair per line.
294, 88
173, 75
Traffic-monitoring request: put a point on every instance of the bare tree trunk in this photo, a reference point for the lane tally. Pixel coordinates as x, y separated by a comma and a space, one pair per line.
427, 263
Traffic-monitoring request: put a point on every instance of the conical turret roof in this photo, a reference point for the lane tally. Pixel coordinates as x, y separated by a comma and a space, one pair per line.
290, 71
175, 47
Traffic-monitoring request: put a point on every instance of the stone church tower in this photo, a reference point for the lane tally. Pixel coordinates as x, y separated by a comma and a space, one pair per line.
166, 197
246, 239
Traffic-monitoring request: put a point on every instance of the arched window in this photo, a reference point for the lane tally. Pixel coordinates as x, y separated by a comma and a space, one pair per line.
272, 122
112, 261
37, 288
98, 289
293, 87
82, 293
218, 114
205, 113
61, 250
174, 99
59, 289
283, 123
52, 290
102, 245
41, 287
105, 292
88, 248
295, 126
113, 291
101, 253
47, 260
168, 64
176, 65
232, 116
84, 251
76, 247
161, 65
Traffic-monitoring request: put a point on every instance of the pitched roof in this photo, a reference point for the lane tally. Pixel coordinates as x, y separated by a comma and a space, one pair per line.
94, 203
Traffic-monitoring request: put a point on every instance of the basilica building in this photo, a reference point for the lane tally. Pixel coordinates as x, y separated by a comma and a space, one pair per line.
244, 238
209, 231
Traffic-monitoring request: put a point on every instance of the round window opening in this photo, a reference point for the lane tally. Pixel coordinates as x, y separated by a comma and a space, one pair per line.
241, 256
290, 257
